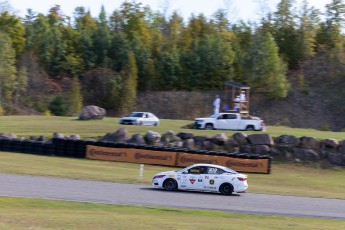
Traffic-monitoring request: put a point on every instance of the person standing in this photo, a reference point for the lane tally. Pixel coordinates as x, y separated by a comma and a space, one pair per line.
216, 104
243, 96
237, 101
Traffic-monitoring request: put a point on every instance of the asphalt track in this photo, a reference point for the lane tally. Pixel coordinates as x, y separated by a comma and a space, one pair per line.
145, 195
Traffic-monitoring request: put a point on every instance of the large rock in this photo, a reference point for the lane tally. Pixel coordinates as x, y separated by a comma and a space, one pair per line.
306, 154
169, 137
240, 138
8, 136
185, 136
342, 147
310, 143
286, 141
337, 159
137, 139
262, 149
188, 143
121, 135
330, 143
152, 138
260, 139
92, 112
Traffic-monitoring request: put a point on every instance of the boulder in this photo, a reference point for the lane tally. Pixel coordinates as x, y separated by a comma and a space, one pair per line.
152, 138
8, 136
286, 141
240, 138
245, 149
200, 139
58, 135
260, 139
337, 159
185, 136
306, 154
310, 143
329, 143
121, 135
342, 147
208, 145
169, 137
92, 112
262, 149
188, 143
74, 137
219, 139
137, 139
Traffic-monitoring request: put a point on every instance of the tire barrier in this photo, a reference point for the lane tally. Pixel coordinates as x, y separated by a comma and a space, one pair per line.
243, 162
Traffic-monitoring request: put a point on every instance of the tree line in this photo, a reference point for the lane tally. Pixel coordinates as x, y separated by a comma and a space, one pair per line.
55, 63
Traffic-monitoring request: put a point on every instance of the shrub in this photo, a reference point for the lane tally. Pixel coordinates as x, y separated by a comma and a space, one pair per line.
325, 127
58, 106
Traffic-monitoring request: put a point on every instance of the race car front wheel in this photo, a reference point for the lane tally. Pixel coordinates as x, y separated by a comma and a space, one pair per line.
170, 185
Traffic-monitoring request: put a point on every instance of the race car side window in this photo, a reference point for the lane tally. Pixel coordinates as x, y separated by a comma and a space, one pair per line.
197, 170
212, 170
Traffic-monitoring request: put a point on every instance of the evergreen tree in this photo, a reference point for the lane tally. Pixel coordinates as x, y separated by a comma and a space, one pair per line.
308, 20
285, 33
12, 26
21, 84
208, 64
8, 71
265, 71
75, 99
129, 88
87, 27
102, 40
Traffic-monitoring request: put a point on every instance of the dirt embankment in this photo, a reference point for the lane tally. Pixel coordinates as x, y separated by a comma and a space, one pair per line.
300, 109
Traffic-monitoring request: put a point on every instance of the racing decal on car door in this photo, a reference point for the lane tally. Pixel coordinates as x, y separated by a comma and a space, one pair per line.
192, 180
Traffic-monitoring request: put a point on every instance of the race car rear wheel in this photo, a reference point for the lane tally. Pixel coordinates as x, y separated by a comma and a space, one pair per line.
170, 184
226, 189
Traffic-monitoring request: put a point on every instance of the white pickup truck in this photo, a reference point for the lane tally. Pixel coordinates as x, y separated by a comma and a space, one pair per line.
232, 121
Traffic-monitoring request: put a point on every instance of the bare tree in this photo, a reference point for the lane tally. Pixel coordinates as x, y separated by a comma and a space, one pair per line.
165, 6
231, 9
263, 8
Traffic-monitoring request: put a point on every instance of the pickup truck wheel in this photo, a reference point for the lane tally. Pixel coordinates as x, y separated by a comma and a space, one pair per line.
250, 128
209, 127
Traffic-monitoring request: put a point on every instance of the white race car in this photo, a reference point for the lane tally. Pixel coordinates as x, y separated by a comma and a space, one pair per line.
202, 177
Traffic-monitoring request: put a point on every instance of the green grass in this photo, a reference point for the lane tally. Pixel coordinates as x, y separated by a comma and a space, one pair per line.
26, 126
20, 213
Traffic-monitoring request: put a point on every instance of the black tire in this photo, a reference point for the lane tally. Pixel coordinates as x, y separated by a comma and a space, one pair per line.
155, 124
209, 127
250, 128
226, 189
170, 185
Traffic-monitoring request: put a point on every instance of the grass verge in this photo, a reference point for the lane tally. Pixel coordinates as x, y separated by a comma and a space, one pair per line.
21, 213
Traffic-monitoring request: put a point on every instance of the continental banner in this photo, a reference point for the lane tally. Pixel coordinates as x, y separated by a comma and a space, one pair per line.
142, 156
237, 164
247, 165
